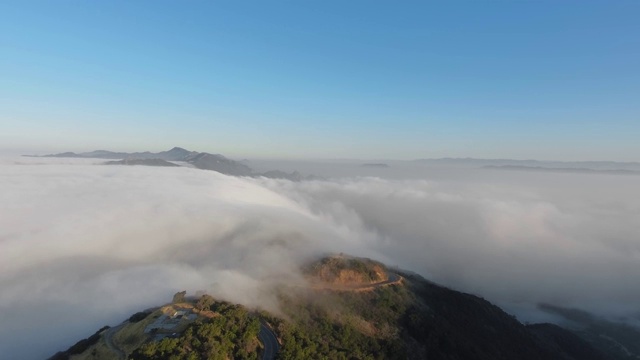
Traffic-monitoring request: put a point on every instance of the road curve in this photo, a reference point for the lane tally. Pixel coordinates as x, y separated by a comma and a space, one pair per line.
270, 342
392, 278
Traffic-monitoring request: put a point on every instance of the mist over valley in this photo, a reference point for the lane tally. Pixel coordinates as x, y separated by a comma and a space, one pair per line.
141, 233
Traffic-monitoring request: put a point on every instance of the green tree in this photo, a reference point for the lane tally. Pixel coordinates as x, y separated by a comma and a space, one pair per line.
179, 297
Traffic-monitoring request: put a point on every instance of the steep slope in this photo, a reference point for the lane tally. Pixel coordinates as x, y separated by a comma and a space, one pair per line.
619, 341
411, 319
176, 154
218, 163
564, 342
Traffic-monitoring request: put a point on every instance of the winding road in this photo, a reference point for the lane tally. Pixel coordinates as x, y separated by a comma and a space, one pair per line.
392, 278
270, 342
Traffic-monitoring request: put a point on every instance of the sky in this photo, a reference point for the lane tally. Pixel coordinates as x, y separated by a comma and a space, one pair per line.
546, 80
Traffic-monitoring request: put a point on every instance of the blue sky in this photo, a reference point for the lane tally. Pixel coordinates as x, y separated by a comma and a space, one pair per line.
324, 79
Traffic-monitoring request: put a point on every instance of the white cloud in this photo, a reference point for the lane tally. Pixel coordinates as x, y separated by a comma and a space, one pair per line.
84, 245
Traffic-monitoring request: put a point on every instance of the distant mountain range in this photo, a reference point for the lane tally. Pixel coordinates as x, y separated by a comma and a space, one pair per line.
562, 170
200, 160
375, 165
220, 163
536, 164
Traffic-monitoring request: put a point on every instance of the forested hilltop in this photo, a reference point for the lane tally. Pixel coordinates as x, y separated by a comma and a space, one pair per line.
354, 309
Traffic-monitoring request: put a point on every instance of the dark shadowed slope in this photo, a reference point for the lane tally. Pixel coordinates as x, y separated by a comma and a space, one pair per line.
617, 340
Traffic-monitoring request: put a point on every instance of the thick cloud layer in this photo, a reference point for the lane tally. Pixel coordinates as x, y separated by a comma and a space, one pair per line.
83, 245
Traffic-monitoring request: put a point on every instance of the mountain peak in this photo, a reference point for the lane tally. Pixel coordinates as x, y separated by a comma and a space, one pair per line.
346, 270
177, 148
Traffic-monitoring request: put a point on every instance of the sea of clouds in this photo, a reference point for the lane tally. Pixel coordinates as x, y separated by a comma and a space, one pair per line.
83, 245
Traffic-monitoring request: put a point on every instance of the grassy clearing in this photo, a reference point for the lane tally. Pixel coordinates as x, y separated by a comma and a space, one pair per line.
99, 351
132, 335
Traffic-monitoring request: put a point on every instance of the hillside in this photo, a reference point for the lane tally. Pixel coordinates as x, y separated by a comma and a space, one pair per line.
408, 318
618, 340
345, 271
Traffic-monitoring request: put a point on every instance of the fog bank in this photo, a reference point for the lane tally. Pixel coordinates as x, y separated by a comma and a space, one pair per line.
83, 245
